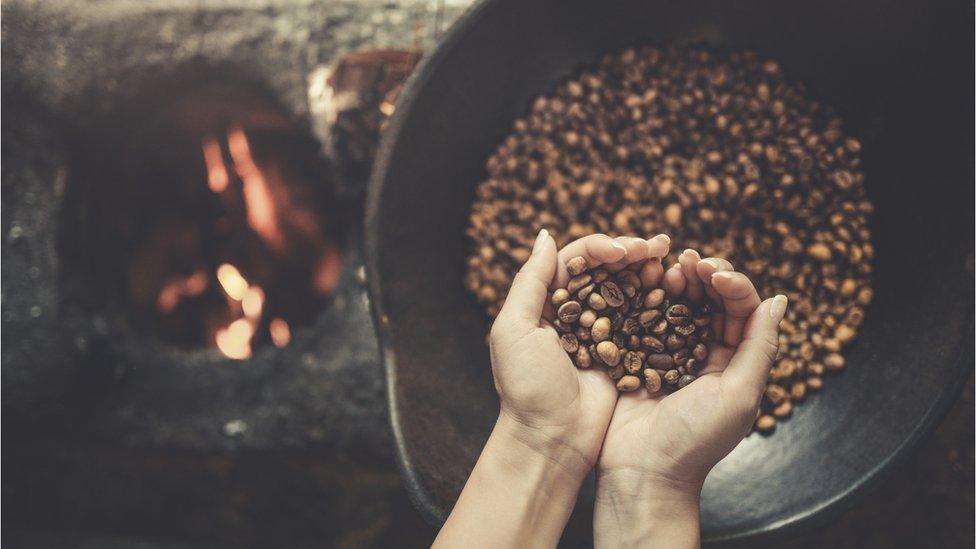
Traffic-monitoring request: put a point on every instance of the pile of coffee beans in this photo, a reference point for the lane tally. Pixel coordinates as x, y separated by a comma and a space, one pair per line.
638, 334
718, 150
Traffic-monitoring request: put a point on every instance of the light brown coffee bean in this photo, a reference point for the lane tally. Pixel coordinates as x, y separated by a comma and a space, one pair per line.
576, 265
583, 359
765, 423
628, 383
559, 297
672, 377
587, 318
633, 362
652, 344
596, 302
608, 352
569, 312
578, 282
654, 298
600, 331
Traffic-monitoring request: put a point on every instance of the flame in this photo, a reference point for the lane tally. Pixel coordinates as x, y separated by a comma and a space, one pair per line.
280, 332
235, 340
252, 302
231, 280
217, 177
261, 210
177, 288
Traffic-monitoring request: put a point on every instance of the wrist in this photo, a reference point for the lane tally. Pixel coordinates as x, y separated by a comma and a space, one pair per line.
640, 508
556, 447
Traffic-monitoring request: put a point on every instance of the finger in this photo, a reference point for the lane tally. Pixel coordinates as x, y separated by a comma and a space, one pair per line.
674, 281
739, 300
597, 249
651, 273
706, 268
688, 260
523, 306
750, 365
637, 251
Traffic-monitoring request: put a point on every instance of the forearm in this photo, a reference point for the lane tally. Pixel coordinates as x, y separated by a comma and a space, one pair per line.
520, 493
633, 510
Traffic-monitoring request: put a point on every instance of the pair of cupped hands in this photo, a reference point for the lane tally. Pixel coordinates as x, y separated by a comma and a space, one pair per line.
651, 453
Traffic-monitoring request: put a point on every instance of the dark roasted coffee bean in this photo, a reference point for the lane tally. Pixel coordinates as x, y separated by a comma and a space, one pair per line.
678, 314
648, 318
612, 294
700, 352
569, 342
652, 343
685, 330
672, 377
660, 361
685, 380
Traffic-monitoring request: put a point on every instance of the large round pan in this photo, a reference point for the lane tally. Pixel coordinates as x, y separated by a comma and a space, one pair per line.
899, 72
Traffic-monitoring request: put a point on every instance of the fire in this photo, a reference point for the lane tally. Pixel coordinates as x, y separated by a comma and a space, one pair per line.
231, 280
178, 288
252, 302
235, 340
280, 332
261, 210
217, 177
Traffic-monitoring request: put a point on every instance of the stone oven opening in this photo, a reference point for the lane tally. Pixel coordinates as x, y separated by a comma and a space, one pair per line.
200, 215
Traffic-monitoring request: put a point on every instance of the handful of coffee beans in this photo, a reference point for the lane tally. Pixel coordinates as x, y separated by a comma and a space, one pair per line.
639, 335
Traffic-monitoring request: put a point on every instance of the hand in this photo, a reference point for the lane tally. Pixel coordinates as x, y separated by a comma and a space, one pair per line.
559, 407
553, 416
658, 449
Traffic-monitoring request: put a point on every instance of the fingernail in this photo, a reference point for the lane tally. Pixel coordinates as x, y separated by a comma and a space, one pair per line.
665, 238
539, 241
714, 263
777, 308
618, 246
721, 275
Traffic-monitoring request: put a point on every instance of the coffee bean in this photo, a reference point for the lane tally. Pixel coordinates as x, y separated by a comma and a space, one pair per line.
612, 294
672, 377
628, 383
583, 359
685, 380
765, 423
629, 278
654, 298
584, 293
660, 361
633, 362
616, 372
608, 352
600, 275
576, 265
652, 343
647, 318
596, 302
659, 327
578, 282
775, 394
652, 381
587, 318
630, 326
569, 342
798, 391
834, 362
700, 352
783, 410
678, 314
569, 312
681, 356
559, 297
674, 342
601, 329
685, 330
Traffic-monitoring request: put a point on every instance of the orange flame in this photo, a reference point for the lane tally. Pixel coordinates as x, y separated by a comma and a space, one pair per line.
235, 340
217, 177
261, 211
232, 281
280, 332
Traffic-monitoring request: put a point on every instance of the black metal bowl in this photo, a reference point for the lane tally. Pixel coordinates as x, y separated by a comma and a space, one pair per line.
901, 75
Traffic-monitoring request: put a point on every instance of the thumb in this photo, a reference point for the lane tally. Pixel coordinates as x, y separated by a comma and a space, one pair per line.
527, 296
750, 365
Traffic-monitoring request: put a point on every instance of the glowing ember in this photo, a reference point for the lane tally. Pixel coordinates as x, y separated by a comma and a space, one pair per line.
231, 280
178, 288
261, 211
253, 302
280, 332
327, 270
235, 340
217, 177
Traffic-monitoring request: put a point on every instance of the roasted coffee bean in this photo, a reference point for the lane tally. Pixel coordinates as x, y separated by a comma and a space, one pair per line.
783, 410
775, 394
569, 312
700, 352
559, 297
814, 383
652, 381
685, 380
765, 423
584, 293
654, 298
674, 342
681, 356
608, 352
660, 327
587, 318
834, 362
576, 266
600, 330
672, 377
569, 342
628, 383
691, 366
633, 362
630, 326
600, 275
798, 391
612, 294
616, 372
583, 359
629, 278
678, 314
647, 318
652, 344
685, 330
578, 282
660, 361
596, 302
